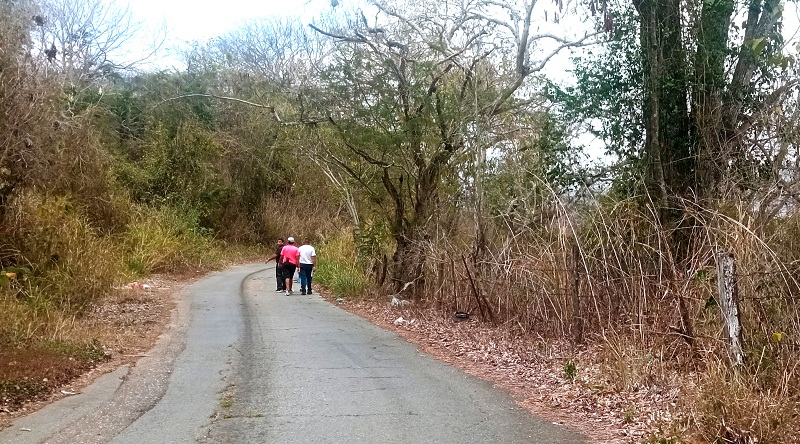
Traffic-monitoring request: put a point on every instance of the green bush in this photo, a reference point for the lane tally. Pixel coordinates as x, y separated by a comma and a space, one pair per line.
338, 269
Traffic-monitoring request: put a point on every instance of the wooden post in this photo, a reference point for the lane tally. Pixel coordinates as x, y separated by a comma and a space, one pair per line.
729, 304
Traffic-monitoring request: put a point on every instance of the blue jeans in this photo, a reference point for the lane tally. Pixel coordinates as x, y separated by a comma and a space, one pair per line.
305, 277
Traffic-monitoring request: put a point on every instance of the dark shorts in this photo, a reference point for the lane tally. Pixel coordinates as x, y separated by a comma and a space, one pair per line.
288, 270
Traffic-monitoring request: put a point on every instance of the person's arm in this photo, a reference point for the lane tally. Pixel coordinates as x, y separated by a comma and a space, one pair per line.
314, 261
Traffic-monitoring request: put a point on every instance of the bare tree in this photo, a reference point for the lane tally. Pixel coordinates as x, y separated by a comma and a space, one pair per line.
421, 88
282, 51
84, 40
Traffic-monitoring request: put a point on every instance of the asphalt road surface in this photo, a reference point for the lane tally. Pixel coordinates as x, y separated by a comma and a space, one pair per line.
244, 364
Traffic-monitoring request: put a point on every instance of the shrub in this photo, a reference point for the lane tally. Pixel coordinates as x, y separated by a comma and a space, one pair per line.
165, 240
72, 264
733, 407
337, 268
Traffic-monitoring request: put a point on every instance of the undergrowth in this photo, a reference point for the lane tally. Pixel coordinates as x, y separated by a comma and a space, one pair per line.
167, 240
338, 269
57, 265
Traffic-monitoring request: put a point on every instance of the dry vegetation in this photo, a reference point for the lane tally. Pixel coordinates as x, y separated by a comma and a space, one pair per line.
114, 331
581, 319
590, 291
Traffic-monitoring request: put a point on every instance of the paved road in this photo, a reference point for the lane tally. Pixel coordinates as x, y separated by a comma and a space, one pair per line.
244, 364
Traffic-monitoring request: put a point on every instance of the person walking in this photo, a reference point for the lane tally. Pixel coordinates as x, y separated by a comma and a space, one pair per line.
308, 264
289, 259
278, 271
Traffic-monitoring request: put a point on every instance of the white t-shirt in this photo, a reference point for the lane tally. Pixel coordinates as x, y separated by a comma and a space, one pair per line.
306, 252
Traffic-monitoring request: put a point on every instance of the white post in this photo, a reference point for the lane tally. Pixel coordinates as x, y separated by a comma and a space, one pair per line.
729, 304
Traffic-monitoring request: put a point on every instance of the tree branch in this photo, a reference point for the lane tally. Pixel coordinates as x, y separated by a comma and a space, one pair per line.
335, 36
234, 99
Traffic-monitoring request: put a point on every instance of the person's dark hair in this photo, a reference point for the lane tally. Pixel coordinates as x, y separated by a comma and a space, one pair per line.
280, 239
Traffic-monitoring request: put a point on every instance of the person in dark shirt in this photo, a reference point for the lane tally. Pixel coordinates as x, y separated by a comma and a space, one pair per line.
278, 272
290, 256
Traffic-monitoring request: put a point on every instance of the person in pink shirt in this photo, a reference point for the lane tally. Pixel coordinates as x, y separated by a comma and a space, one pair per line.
290, 256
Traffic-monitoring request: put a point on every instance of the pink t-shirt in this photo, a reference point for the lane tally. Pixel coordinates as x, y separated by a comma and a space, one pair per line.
290, 253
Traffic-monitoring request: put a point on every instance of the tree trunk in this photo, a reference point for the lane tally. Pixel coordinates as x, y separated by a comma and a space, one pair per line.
668, 144
407, 271
411, 231
719, 103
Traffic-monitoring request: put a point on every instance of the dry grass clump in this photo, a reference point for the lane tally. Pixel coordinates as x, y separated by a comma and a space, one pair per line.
167, 240
629, 365
733, 407
72, 263
300, 216
24, 324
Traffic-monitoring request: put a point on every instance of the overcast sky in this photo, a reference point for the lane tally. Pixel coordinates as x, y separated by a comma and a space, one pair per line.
189, 20
195, 20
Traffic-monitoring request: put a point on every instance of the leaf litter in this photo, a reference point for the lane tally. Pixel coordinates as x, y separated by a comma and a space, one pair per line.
532, 371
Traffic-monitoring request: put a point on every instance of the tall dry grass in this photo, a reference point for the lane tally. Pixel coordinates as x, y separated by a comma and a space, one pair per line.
72, 262
300, 215
164, 240
604, 274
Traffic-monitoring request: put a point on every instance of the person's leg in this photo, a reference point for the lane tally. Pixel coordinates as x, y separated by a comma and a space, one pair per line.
308, 282
284, 274
279, 277
303, 278
289, 275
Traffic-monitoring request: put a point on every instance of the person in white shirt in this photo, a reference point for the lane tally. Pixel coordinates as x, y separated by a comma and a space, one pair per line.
308, 264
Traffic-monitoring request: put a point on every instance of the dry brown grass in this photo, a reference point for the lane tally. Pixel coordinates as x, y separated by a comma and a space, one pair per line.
606, 280
300, 217
115, 330
739, 408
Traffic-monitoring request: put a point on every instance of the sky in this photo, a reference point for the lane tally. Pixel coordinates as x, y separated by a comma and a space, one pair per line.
193, 20
189, 20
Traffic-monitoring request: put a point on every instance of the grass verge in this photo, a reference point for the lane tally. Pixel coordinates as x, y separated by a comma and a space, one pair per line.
60, 271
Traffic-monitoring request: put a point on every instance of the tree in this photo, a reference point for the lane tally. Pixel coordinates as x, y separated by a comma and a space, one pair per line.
704, 89
280, 52
697, 118
85, 40
27, 111
716, 101
725, 102
420, 89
